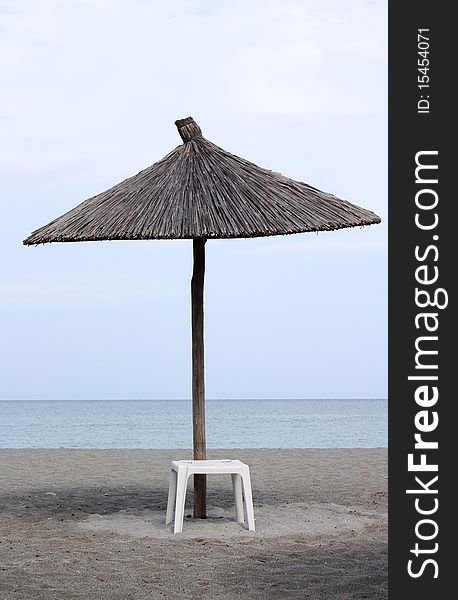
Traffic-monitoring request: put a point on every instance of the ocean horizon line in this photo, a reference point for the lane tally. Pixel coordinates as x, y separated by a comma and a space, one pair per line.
259, 399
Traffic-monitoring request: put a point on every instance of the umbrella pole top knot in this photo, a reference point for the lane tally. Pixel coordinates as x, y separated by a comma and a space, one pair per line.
188, 129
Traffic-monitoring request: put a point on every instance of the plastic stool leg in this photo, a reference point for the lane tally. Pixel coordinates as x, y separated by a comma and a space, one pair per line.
182, 481
172, 496
246, 480
237, 486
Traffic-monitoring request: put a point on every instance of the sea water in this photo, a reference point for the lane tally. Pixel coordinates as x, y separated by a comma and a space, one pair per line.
168, 424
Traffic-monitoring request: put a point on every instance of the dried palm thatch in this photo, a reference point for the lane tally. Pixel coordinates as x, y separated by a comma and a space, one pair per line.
200, 190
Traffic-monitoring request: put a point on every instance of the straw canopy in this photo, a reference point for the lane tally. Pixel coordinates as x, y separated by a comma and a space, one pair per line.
200, 190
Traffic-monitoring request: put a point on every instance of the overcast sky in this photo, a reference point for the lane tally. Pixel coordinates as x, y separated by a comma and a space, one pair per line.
90, 92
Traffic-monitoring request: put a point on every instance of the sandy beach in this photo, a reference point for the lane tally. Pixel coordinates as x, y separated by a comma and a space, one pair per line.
89, 524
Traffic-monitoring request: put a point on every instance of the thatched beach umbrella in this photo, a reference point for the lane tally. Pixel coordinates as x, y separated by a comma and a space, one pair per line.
199, 191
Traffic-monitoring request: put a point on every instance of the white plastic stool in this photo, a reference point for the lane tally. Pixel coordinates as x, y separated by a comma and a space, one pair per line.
182, 469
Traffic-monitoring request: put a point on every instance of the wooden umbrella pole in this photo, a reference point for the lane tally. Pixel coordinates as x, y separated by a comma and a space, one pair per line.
198, 385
